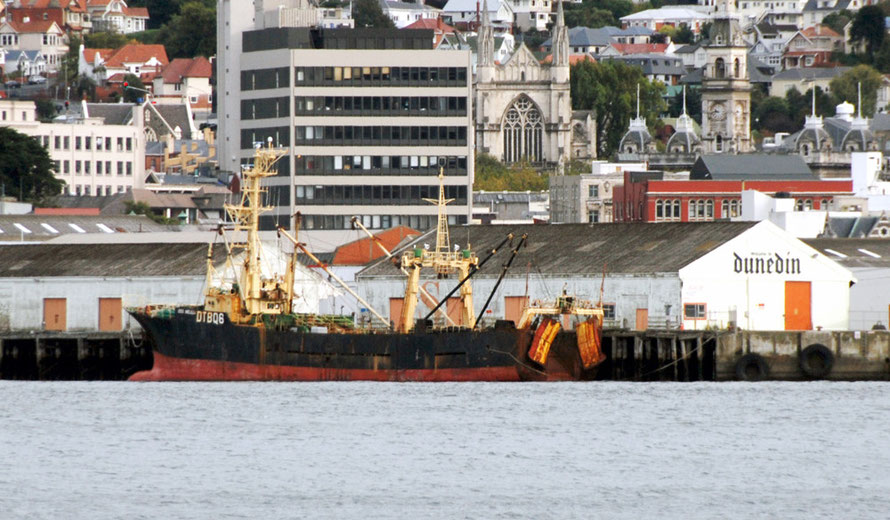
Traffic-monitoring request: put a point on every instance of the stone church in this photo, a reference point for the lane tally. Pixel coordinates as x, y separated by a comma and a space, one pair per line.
523, 108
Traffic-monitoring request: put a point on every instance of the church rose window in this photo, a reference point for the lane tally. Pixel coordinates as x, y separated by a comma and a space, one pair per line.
523, 132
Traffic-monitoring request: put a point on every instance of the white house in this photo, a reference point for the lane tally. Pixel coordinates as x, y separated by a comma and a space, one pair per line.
117, 16
43, 36
463, 13
655, 19
403, 14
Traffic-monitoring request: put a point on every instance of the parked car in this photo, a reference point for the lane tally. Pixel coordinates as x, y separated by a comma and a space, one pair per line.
13, 84
36, 80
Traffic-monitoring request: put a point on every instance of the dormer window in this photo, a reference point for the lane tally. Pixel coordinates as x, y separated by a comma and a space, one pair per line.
718, 39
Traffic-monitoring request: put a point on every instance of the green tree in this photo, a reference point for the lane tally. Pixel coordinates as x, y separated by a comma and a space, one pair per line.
46, 109
26, 170
693, 104
492, 175
772, 115
161, 11
868, 27
105, 40
801, 105
192, 32
683, 34
844, 87
837, 21
142, 208
68, 69
134, 89
609, 88
367, 13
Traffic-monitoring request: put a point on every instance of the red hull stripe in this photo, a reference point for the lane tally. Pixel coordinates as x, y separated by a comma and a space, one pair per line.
174, 369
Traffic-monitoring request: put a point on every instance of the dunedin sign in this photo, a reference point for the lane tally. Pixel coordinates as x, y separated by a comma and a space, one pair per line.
765, 263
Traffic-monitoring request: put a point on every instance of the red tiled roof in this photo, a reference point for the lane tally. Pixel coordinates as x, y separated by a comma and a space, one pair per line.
89, 55
36, 13
33, 26
179, 68
573, 58
98, 3
66, 211
431, 23
138, 53
364, 250
136, 12
820, 30
640, 48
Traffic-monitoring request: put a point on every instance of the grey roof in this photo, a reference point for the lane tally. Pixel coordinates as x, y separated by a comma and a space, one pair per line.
86, 201
155, 147
852, 249
881, 122
688, 48
813, 5
688, 139
585, 37
583, 249
508, 196
14, 55
727, 167
629, 31
44, 227
112, 113
106, 260
812, 73
851, 227
174, 115
652, 63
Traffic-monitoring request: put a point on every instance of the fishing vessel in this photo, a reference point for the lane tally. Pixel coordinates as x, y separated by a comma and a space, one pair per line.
248, 330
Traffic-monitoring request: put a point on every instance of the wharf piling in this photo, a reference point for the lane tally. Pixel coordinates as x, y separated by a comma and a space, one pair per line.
651, 355
73, 355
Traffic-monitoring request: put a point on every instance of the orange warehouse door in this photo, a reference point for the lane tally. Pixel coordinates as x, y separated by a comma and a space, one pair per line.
797, 306
454, 311
513, 307
395, 310
110, 314
642, 319
55, 314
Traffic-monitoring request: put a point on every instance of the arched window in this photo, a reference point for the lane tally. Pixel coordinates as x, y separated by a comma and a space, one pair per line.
659, 210
719, 68
737, 69
724, 209
523, 132
718, 144
709, 209
676, 215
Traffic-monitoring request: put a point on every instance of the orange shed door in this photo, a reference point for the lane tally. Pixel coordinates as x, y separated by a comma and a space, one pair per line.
454, 311
395, 310
797, 306
55, 314
110, 314
513, 307
642, 319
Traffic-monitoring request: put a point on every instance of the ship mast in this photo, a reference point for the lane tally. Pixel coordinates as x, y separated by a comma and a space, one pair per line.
443, 261
246, 217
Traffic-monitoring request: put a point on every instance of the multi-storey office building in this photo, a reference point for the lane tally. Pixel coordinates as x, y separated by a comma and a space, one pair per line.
92, 157
368, 117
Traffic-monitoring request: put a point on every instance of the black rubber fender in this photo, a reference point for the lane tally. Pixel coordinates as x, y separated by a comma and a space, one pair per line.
816, 361
751, 367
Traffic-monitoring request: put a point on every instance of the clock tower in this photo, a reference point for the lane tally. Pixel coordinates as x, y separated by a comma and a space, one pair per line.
726, 91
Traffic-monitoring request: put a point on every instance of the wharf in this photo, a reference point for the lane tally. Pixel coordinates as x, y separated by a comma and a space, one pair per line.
83, 355
650, 355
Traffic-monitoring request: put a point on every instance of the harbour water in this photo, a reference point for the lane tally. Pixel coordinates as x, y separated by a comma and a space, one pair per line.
369, 450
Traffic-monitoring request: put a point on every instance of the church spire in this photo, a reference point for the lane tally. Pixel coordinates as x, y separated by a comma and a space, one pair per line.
560, 38
486, 39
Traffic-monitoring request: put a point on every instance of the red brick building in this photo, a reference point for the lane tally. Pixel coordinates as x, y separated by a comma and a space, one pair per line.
644, 197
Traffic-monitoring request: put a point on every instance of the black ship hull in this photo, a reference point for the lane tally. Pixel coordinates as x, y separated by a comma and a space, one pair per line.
190, 346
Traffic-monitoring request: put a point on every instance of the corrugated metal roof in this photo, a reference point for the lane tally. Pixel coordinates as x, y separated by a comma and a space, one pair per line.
12, 227
582, 249
726, 167
854, 252
107, 260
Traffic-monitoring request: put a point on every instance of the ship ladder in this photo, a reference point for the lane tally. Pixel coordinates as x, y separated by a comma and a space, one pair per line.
544, 336
590, 348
